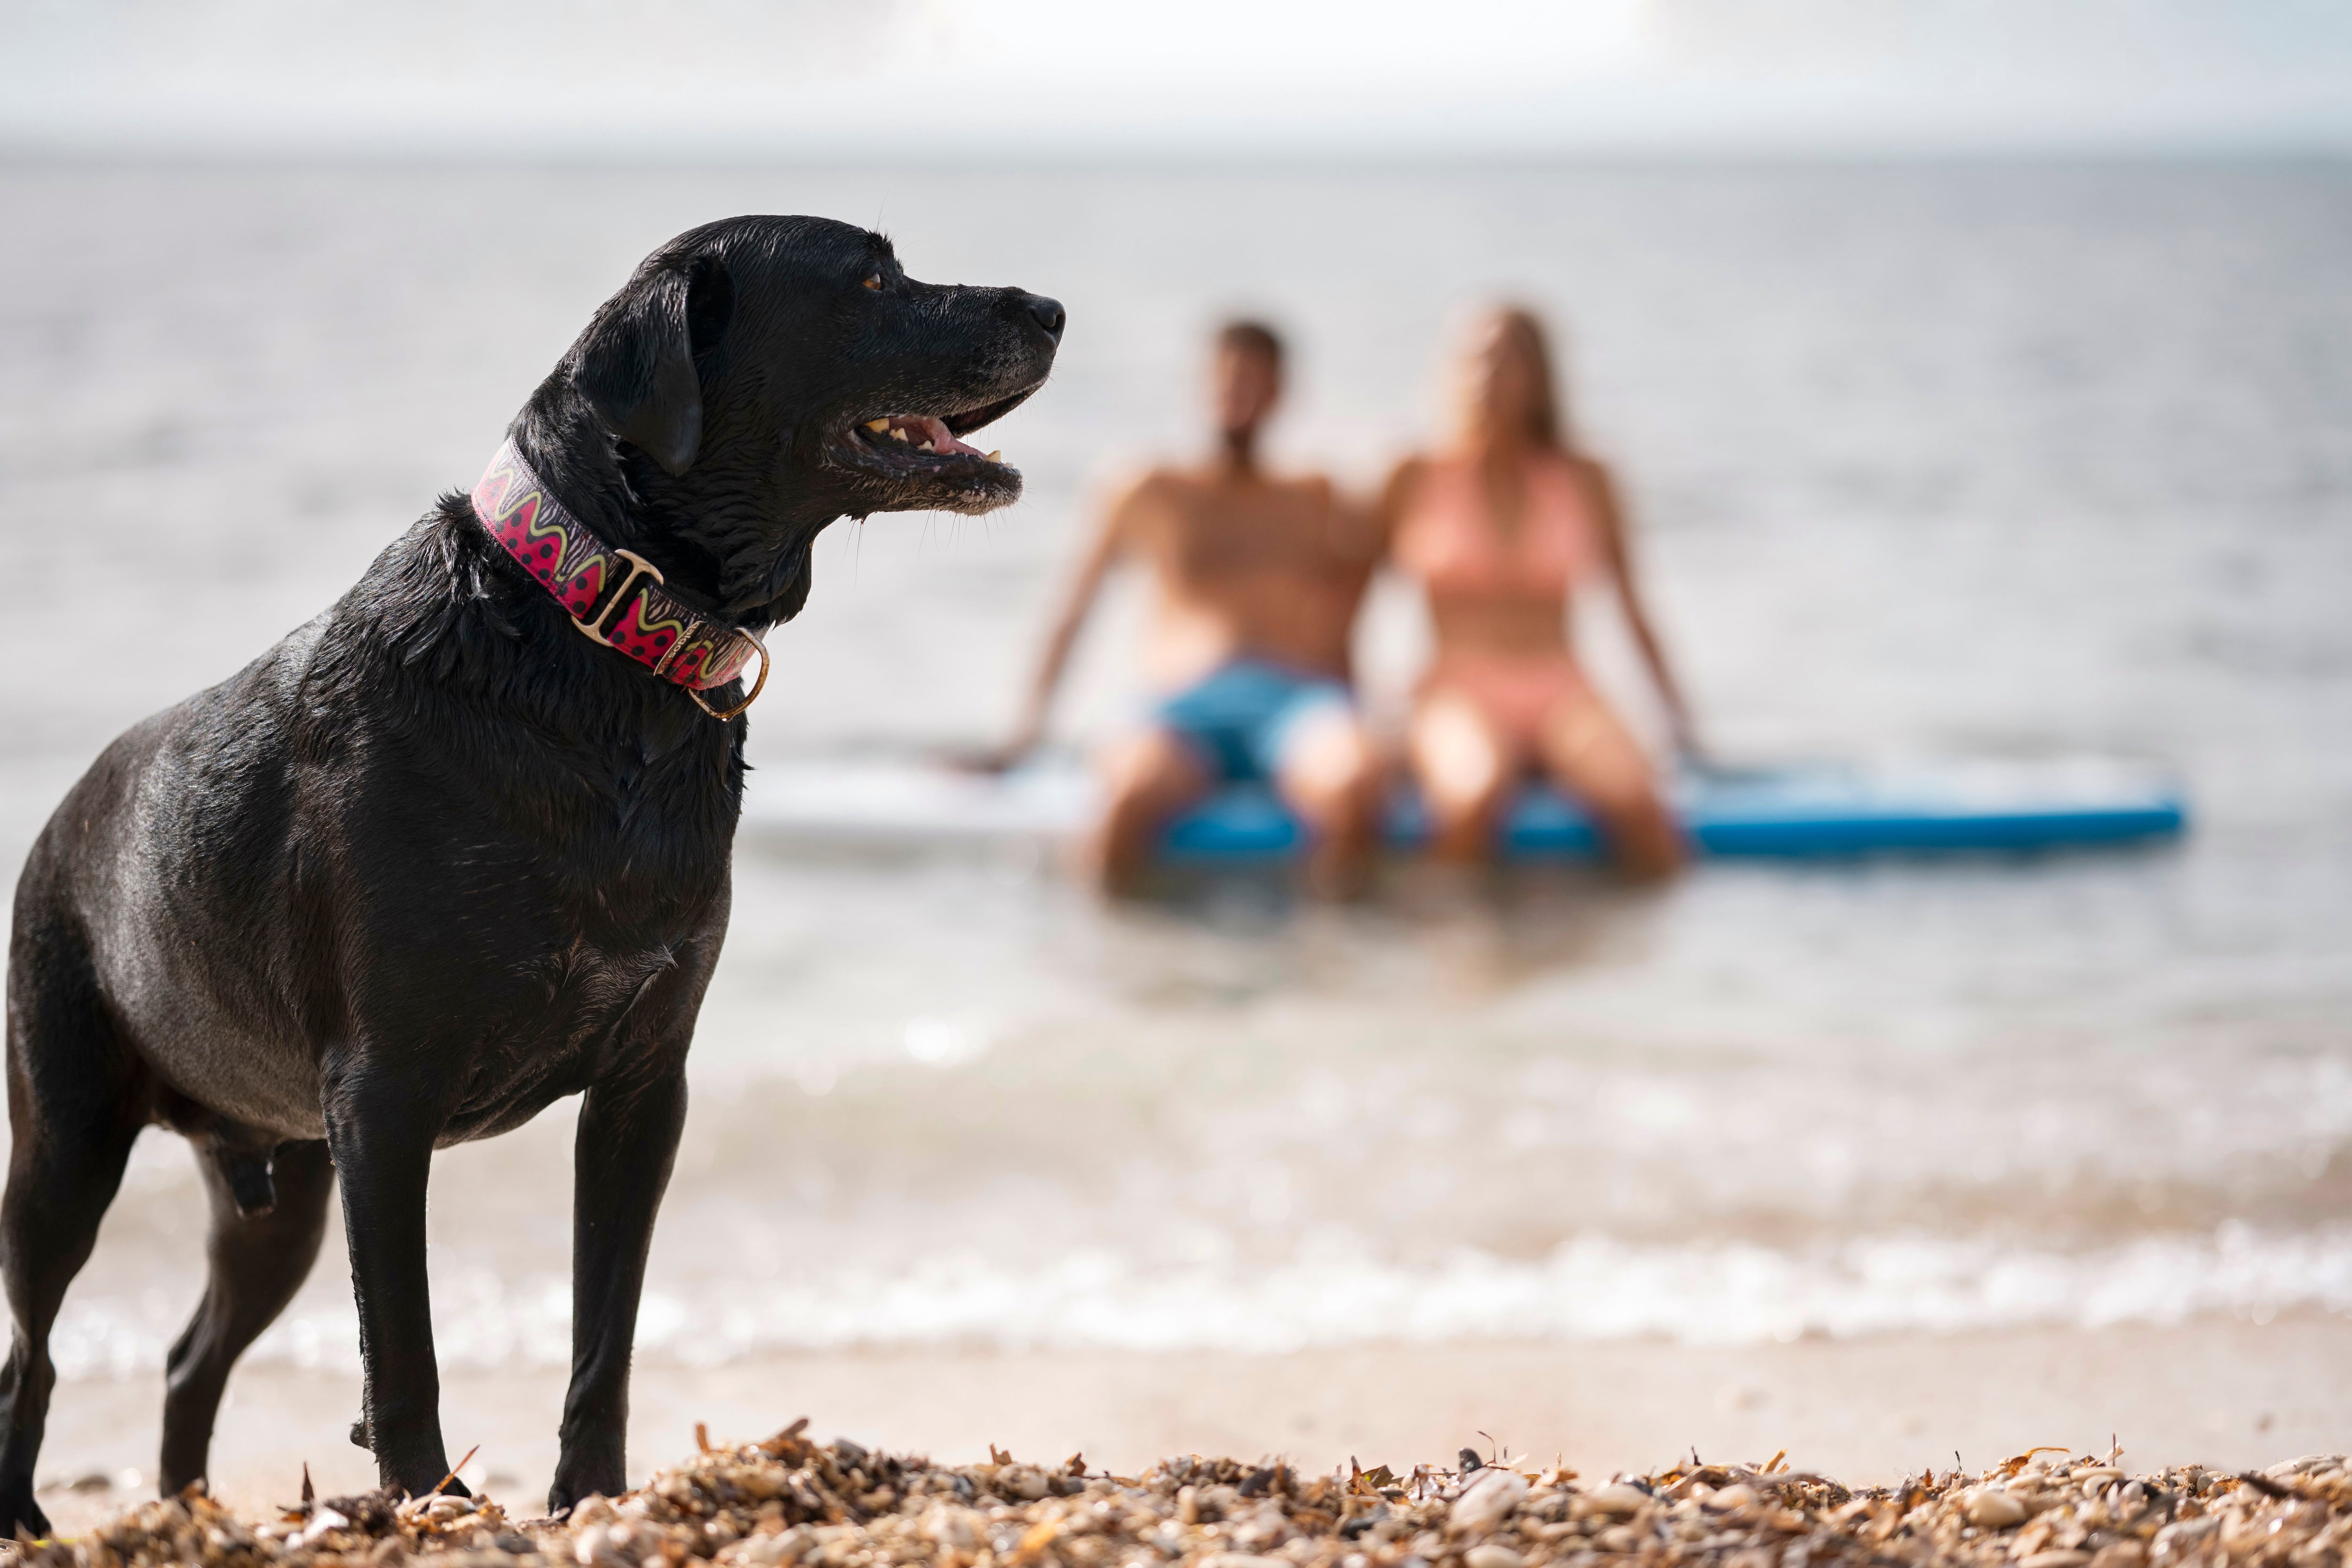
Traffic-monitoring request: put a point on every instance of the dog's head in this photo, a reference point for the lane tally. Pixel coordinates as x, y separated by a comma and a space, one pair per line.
760, 377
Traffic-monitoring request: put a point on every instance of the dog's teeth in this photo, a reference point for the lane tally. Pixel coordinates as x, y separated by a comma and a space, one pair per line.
877, 426
927, 447
896, 434
996, 457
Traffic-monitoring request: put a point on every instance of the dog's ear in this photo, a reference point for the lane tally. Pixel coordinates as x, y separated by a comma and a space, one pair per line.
637, 365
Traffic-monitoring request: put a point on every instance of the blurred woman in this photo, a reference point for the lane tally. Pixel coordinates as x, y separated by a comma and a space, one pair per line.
1500, 528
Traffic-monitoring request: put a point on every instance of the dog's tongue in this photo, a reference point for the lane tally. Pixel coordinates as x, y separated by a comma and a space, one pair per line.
922, 428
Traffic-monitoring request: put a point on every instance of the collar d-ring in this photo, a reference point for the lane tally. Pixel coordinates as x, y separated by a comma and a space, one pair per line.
756, 687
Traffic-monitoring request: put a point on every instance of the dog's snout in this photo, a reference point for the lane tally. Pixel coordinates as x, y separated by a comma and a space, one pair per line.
1046, 313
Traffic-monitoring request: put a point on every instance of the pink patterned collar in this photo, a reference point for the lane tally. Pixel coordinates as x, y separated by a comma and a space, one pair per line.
639, 617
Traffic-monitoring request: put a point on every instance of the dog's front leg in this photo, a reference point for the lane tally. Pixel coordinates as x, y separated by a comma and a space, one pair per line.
621, 1162
382, 1120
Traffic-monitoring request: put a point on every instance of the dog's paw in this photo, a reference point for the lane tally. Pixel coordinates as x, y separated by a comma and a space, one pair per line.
575, 1483
29, 1519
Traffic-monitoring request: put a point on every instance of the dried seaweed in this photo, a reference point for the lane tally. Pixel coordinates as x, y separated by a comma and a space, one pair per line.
790, 1502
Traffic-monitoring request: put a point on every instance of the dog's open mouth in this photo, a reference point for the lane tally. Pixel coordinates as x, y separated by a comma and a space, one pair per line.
928, 437
925, 457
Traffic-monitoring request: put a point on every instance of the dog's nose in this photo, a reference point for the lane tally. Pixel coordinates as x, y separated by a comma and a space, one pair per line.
1046, 313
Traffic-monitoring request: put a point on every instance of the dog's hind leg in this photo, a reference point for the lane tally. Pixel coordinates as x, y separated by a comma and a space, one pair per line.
75, 1103
257, 1260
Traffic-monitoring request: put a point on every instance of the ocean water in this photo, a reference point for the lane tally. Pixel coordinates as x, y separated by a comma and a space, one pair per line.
1926, 461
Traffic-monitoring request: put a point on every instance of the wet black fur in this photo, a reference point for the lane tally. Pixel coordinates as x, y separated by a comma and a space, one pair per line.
436, 860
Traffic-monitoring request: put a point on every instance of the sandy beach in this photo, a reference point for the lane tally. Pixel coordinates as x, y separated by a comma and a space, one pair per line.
2227, 1394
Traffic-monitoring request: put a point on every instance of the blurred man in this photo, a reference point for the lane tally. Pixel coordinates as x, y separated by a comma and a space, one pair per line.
1257, 578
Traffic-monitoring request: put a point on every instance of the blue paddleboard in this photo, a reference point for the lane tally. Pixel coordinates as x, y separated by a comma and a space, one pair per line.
1809, 810
1806, 811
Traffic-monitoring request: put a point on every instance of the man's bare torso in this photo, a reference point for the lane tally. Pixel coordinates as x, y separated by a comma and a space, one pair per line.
1246, 566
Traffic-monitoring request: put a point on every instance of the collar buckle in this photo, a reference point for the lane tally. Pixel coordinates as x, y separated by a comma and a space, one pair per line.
594, 628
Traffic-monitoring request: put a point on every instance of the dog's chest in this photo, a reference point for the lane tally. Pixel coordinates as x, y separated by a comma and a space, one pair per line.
584, 1009
595, 990
634, 873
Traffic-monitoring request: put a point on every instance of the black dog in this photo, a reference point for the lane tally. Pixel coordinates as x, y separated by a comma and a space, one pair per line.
436, 859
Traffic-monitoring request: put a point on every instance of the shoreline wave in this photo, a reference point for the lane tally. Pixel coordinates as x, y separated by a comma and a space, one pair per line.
1594, 1287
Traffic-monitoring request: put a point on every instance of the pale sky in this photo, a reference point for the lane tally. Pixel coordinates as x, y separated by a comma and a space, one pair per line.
960, 81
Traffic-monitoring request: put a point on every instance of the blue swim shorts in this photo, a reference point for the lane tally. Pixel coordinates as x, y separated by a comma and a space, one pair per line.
1240, 716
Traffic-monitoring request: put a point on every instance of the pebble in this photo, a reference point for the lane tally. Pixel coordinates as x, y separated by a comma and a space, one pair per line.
1618, 1501
1488, 1501
1996, 1509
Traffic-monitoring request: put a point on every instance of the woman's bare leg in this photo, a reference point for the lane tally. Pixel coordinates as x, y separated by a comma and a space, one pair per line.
1330, 777
1594, 757
1465, 768
1148, 780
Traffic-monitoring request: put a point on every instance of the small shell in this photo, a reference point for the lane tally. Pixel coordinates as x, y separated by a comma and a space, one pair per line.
1492, 1554
956, 1528
2055, 1560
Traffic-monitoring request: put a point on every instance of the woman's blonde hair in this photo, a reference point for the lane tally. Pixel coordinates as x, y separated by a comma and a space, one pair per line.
1522, 332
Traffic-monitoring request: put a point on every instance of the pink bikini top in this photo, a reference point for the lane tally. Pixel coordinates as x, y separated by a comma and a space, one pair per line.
1449, 541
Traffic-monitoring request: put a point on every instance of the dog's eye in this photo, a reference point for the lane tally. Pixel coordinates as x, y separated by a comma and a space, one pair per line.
874, 281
